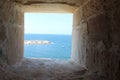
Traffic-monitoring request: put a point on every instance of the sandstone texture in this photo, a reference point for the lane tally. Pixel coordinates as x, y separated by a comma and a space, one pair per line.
42, 69
11, 32
95, 40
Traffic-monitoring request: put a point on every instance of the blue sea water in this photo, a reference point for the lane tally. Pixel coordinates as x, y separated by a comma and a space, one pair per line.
60, 49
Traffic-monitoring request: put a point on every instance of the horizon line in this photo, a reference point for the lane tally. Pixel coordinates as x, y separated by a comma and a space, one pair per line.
47, 34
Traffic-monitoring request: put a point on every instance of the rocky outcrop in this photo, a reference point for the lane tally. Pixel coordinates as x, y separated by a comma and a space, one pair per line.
37, 42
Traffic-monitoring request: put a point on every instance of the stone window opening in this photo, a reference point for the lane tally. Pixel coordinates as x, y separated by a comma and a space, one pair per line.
38, 43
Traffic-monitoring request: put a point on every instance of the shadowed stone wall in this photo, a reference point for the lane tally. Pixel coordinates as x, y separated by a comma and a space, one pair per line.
11, 32
96, 41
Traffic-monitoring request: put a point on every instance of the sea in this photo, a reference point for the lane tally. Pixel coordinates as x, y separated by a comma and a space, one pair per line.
59, 49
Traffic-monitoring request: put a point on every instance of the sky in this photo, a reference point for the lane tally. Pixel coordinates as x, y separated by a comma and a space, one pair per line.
48, 23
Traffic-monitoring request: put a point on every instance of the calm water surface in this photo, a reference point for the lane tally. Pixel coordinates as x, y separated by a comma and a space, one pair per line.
60, 49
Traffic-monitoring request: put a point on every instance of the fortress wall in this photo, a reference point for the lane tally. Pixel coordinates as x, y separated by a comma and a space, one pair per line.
11, 32
96, 41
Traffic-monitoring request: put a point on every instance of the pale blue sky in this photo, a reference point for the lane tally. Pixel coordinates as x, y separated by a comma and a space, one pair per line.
48, 23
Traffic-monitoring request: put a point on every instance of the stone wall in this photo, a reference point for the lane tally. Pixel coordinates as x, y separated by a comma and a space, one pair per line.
96, 31
96, 41
11, 32
79, 39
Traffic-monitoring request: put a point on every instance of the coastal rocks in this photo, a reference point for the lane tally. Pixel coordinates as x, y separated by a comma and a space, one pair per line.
30, 42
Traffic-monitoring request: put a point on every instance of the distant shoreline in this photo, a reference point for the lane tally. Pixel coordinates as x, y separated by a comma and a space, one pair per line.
30, 42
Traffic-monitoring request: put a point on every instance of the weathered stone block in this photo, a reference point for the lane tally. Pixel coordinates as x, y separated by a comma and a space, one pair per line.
115, 23
98, 27
2, 33
77, 17
91, 8
1, 53
94, 7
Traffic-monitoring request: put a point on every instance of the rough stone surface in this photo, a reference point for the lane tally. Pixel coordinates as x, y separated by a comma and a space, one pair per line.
96, 41
49, 8
79, 44
102, 47
11, 31
2, 33
42, 69
69, 2
54, 6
